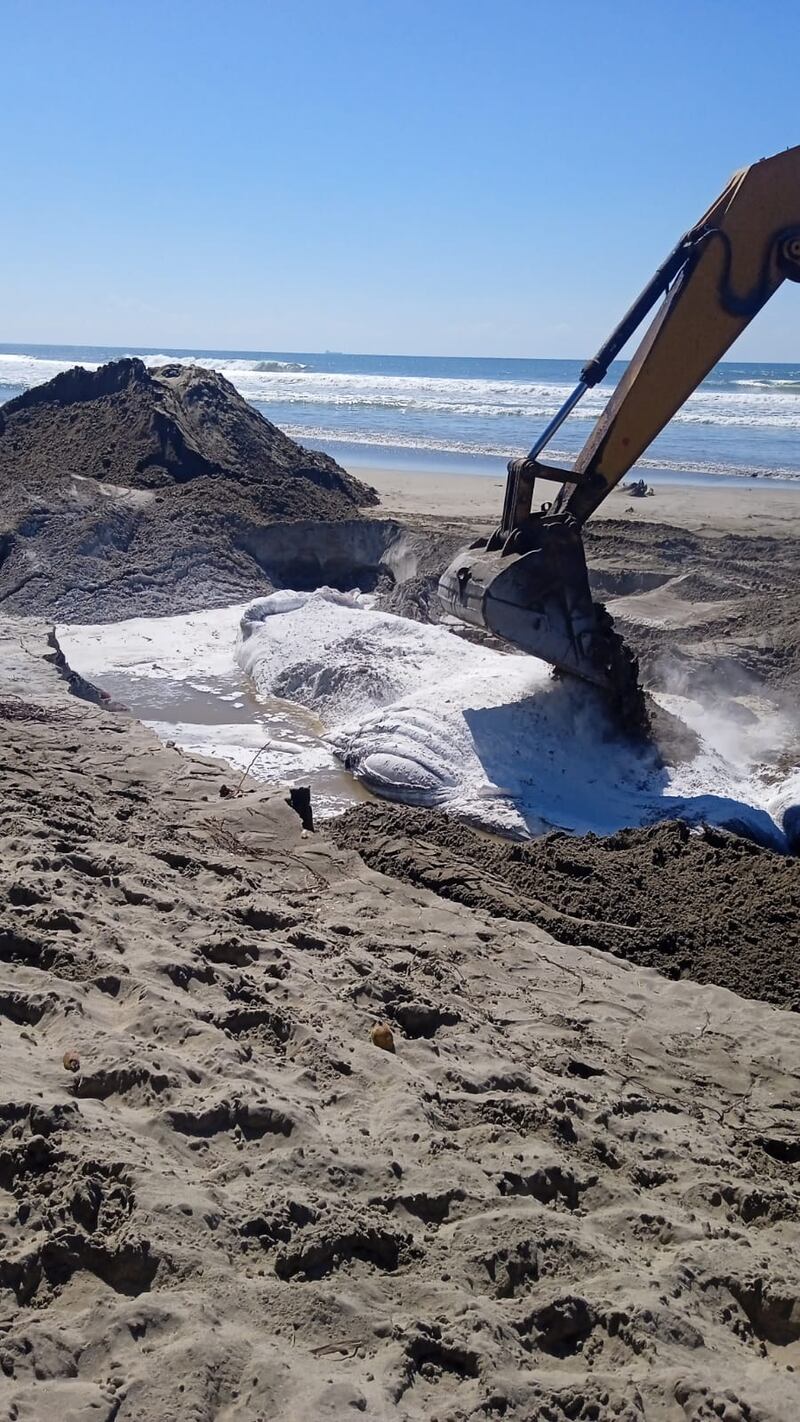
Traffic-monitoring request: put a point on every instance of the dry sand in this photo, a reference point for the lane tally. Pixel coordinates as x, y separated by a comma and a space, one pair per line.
570, 1193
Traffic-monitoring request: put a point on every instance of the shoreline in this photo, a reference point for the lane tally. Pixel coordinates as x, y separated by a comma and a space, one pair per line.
466, 498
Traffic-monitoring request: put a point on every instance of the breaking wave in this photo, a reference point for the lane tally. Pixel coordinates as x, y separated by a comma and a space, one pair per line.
742, 420
327, 437
747, 403
769, 384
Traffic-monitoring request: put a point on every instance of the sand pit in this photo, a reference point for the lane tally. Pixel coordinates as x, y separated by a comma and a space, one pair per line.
421, 716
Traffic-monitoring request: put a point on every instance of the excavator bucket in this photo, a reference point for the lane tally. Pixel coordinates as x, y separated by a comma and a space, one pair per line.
528, 583
531, 588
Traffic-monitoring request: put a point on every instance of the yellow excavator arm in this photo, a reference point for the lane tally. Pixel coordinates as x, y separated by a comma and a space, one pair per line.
736, 258
528, 582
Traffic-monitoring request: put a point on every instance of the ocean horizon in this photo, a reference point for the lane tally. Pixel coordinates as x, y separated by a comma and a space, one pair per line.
469, 414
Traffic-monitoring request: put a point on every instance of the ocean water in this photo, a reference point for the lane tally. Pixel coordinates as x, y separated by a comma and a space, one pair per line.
470, 415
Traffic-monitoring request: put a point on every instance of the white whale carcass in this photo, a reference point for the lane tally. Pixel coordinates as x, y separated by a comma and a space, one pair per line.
421, 716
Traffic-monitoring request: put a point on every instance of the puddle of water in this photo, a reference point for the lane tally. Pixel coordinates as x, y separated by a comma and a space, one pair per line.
179, 675
214, 701
221, 717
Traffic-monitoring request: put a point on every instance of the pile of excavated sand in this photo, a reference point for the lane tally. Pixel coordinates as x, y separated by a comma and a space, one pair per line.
127, 490
694, 904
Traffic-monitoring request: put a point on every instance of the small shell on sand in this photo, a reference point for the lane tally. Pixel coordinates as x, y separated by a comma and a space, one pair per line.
72, 1061
382, 1036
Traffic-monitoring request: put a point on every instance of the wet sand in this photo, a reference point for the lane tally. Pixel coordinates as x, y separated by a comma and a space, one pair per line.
635, 893
752, 507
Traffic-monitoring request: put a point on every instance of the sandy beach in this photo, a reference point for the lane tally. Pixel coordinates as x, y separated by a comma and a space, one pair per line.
750, 507
399, 901
570, 1191
388, 1118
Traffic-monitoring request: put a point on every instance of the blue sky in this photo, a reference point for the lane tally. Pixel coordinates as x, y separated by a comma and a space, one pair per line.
476, 177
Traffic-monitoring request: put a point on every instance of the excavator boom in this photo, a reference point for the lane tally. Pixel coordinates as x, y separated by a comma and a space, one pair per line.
528, 582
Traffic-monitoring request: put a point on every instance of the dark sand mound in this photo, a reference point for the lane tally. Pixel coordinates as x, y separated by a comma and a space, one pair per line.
127, 490
707, 906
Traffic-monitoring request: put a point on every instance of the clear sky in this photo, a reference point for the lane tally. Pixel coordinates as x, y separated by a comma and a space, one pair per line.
472, 177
